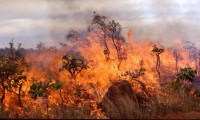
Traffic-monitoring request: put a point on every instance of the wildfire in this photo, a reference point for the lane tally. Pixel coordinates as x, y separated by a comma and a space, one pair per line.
92, 83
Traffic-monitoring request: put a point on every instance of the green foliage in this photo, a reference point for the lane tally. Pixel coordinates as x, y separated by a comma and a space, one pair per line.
39, 89
12, 68
186, 74
73, 65
57, 85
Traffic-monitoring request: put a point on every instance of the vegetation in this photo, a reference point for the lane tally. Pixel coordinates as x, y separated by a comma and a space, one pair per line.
34, 79
177, 57
73, 65
12, 68
111, 30
100, 26
186, 74
158, 52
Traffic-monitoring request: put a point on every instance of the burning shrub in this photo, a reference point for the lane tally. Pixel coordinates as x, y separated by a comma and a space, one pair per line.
73, 65
186, 74
134, 75
39, 89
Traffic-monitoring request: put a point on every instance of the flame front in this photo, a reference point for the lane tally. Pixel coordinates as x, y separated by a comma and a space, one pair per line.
97, 78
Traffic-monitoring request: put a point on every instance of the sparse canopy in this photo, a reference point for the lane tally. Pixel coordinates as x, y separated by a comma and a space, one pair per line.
40, 46
73, 65
73, 36
157, 51
12, 68
100, 21
106, 30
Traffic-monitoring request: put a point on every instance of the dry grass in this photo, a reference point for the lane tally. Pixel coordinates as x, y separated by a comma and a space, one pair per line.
168, 105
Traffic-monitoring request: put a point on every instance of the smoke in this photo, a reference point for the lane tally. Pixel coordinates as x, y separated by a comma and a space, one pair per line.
49, 21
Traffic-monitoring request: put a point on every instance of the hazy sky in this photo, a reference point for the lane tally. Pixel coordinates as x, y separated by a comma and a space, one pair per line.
47, 21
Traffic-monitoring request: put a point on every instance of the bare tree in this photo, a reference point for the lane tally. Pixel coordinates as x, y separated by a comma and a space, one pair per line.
157, 51
73, 36
193, 51
177, 57
100, 27
40, 46
109, 30
198, 70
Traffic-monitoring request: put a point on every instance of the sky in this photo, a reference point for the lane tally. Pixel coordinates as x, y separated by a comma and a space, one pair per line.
32, 21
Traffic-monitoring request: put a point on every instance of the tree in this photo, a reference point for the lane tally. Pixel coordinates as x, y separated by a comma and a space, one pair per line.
177, 58
157, 51
73, 36
101, 29
106, 30
12, 68
73, 65
40, 46
193, 51
39, 89
198, 70
115, 34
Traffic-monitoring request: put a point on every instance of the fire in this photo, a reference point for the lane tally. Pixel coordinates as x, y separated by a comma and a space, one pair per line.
45, 64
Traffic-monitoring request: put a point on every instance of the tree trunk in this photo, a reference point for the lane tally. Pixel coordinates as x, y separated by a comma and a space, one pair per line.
176, 64
3, 92
3, 95
19, 96
157, 67
107, 49
47, 107
61, 97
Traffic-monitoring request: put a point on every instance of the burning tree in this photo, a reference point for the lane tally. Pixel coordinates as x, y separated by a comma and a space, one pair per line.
39, 89
73, 36
114, 33
157, 51
198, 70
101, 29
193, 52
40, 46
109, 30
12, 68
177, 58
73, 65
